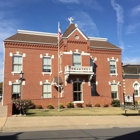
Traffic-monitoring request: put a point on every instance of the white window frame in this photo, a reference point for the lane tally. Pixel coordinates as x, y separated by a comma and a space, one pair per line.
77, 61
47, 91
19, 93
115, 91
115, 68
50, 65
136, 88
17, 55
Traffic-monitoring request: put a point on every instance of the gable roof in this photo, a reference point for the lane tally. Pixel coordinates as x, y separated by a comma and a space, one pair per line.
131, 69
33, 37
51, 38
102, 44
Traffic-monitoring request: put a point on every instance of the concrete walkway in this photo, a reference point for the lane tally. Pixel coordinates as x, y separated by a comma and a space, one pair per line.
3, 114
69, 122
64, 122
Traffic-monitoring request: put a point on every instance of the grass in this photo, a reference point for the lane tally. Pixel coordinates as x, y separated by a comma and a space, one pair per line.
95, 111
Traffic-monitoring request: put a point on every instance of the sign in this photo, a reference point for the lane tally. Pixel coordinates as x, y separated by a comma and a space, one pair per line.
128, 98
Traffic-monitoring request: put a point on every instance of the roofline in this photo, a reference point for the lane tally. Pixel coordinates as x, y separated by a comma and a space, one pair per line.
98, 38
105, 48
29, 42
37, 33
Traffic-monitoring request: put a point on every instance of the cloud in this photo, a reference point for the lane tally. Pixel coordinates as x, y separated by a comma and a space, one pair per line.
88, 27
120, 19
135, 11
93, 4
132, 29
67, 1
128, 60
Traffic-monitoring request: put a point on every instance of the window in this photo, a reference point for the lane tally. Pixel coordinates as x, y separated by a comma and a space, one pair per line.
136, 89
17, 63
77, 91
112, 66
92, 64
93, 89
47, 91
15, 91
76, 59
46, 64
114, 91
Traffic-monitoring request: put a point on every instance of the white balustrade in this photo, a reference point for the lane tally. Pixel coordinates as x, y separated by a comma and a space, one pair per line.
77, 69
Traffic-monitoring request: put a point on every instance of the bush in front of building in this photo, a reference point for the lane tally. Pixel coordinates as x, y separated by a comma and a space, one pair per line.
79, 105
115, 103
61, 106
88, 105
50, 106
97, 105
106, 105
22, 106
70, 105
38, 107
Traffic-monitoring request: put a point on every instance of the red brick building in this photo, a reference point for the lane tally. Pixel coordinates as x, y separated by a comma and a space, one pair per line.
90, 69
131, 81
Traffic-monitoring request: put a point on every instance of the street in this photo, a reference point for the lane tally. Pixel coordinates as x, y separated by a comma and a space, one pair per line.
78, 134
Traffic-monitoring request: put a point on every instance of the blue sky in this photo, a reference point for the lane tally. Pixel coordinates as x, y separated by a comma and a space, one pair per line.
117, 20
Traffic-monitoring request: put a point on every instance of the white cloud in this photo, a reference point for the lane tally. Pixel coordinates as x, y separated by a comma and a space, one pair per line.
135, 11
128, 60
131, 29
88, 27
120, 19
68, 1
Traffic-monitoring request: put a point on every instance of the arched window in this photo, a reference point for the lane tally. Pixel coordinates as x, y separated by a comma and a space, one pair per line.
136, 89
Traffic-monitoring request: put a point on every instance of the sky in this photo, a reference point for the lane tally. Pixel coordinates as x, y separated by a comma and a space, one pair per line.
117, 20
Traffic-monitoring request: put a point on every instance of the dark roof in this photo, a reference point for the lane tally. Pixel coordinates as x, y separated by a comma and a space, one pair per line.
32, 38
102, 44
70, 28
131, 69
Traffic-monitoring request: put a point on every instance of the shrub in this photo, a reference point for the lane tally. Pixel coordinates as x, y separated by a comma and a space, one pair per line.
23, 105
88, 105
115, 103
61, 106
49, 106
106, 105
79, 105
136, 102
97, 105
38, 107
70, 105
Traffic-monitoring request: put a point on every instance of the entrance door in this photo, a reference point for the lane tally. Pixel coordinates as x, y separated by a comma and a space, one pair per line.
77, 91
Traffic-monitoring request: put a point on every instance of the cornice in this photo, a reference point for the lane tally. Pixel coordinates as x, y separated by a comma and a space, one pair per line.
29, 46
104, 51
77, 42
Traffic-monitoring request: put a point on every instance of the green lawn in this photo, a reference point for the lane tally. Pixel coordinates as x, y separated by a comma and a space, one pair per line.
81, 112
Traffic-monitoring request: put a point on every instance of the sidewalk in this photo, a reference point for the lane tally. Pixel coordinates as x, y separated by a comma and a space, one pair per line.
69, 122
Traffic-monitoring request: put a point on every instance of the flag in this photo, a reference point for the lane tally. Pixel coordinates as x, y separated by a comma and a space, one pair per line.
59, 32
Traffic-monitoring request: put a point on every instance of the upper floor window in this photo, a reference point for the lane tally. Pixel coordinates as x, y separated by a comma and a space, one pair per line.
113, 67
17, 63
46, 90
15, 91
114, 91
136, 89
46, 64
76, 59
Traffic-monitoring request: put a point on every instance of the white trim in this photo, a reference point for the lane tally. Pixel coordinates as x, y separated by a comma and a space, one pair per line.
50, 73
41, 83
37, 33
10, 54
70, 52
41, 56
79, 32
75, 102
97, 38
10, 83
83, 53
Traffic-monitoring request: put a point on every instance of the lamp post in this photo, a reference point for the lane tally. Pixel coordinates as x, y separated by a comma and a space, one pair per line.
21, 79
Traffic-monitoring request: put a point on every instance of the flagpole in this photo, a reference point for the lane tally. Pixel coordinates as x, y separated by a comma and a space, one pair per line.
58, 67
